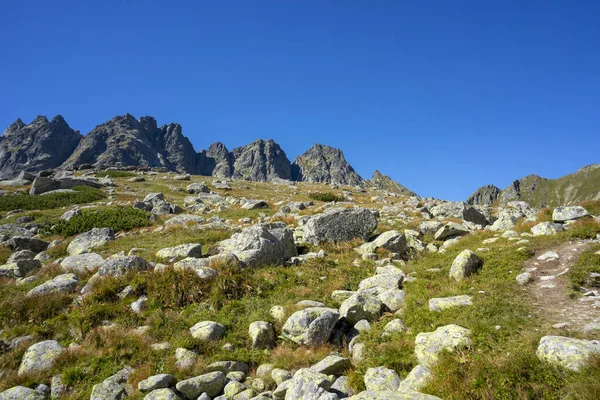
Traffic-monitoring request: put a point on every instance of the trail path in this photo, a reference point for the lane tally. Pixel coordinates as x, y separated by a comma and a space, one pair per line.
551, 293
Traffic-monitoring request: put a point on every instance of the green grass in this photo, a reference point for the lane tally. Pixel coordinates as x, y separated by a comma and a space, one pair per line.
587, 263
325, 196
82, 194
117, 218
111, 173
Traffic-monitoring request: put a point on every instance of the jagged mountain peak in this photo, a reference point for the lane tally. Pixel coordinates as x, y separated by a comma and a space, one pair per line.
384, 182
485, 195
322, 163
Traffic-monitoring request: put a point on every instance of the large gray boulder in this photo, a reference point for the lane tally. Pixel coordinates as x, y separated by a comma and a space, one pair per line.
566, 352
212, 384
19, 268
392, 241
261, 244
262, 335
17, 243
361, 306
207, 331
113, 387
428, 345
308, 384
381, 379
181, 251
8, 231
82, 262
40, 357
94, 238
159, 381
340, 225
465, 264
65, 283
566, 213
450, 230
119, 265
547, 228
162, 394
311, 326
43, 185
22, 393
459, 210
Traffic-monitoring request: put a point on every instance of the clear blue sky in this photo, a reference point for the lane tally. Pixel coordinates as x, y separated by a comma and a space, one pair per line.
444, 96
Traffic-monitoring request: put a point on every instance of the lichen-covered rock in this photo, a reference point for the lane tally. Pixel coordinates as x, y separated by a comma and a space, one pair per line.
94, 238
443, 303
81, 263
450, 230
112, 388
199, 265
393, 241
382, 281
207, 331
262, 335
416, 379
185, 220
566, 352
119, 265
392, 395
361, 306
162, 394
341, 387
568, 213
185, 358
212, 384
65, 283
22, 393
197, 188
262, 244
154, 382
428, 345
547, 228
311, 326
181, 251
381, 379
332, 365
524, 278
17, 243
459, 210
340, 225
465, 264
18, 269
308, 384
394, 326
11, 230
392, 299
40, 356
228, 366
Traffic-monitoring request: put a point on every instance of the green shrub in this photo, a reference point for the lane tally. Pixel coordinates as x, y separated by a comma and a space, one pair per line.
117, 218
82, 194
325, 196
111, 173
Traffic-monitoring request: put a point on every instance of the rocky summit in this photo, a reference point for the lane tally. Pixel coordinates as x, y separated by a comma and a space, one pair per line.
145, 270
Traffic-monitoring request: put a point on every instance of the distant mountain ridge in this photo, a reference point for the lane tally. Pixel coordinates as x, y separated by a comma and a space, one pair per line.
581, 185
130, 142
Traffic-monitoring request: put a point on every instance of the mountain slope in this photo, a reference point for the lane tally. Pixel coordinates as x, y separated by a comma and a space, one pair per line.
324, 164
569, 189
384, 182
40, 145
485, 195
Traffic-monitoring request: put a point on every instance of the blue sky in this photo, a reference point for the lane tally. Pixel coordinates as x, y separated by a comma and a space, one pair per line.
444, 96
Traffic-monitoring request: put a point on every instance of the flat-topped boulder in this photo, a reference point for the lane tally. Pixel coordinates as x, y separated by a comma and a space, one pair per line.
340, 225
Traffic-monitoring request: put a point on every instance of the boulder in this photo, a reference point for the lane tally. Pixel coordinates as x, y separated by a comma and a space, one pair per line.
17, 243
212, 384
339, 225
18, 269
185, 220
207, 331
465, 264
416, 379
392, 241
94, 238
194, 188
392, 395
332, 365
547, 228
162, 394
40, 357
22, 393
428, 345
311, 326
381, 379
450, 230
459, 210
154, 382
113, 387
11, 230
181, 251
261, 244
566, 352
308, 384
361, 306
443, 303
65, 283
82, 262
568, 213
262, 335
119, 265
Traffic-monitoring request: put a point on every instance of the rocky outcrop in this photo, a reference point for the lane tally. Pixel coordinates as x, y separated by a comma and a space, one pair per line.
326, 165
384, 182
261, 161
217, 161
523, 187
40, 145
127, 141
484, 196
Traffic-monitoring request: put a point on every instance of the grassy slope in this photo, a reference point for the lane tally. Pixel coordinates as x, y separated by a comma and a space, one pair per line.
501, 363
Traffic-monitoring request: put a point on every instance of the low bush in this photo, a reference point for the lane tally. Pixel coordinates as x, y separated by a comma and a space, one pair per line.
81, 194
117, 218
325, 196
